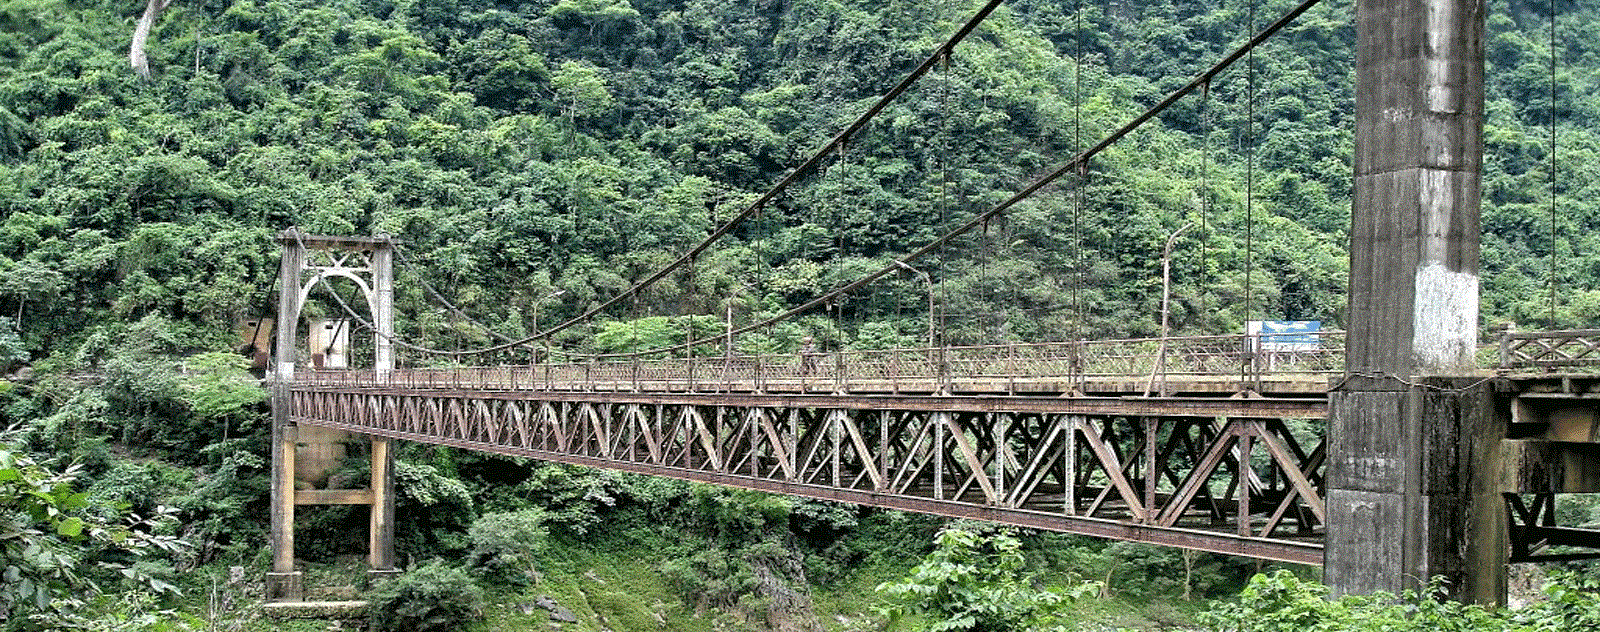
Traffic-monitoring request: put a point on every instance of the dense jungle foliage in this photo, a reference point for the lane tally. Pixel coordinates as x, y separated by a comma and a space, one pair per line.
537, 157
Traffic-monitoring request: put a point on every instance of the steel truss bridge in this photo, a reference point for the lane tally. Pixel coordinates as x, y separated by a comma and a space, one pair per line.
1117, 439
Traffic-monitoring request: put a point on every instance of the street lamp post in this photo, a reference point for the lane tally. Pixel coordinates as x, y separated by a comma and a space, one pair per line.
1166, 312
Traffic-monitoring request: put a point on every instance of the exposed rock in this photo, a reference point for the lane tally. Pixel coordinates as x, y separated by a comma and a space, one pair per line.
562, 614
789, 609
544, 601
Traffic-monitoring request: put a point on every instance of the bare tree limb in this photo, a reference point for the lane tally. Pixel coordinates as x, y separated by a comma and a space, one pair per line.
141, 33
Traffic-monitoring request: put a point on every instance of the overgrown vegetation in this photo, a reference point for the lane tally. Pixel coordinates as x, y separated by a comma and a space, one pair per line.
61, 553
537, 157
430, 598
976, 584
1281, 602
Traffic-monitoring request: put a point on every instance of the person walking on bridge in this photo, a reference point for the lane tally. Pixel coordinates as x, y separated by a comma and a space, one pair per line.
808, 355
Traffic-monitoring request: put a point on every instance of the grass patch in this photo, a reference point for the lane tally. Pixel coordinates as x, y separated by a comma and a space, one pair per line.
606, 585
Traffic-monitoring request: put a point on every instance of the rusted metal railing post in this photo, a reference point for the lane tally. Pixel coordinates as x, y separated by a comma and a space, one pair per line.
1506, 331
1011, 369
1075, 369
944, 371
838, 371
1246, 361
894, 371
760, 375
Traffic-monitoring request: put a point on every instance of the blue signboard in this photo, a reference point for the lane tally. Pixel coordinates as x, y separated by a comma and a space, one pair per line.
1286, 335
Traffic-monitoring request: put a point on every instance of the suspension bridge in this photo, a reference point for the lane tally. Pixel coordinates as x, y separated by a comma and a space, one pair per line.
1400, 449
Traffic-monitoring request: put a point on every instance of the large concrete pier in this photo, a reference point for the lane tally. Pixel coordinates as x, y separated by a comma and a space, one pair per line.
1412, 429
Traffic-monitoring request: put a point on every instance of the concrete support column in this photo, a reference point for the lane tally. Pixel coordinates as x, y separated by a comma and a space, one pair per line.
289, 269
381, 529
284, 583
1414, 490
1418, 157
380, 558
1407, 498
383, 306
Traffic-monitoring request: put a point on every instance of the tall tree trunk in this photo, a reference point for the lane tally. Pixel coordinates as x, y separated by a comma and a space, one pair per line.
141, 33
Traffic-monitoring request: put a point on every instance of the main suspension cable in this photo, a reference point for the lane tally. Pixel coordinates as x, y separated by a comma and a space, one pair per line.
367, 324
1076, 163
401, 258
794, 176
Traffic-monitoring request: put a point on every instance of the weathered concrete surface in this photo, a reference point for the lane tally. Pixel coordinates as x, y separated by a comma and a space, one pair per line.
1531, 466
1413, 486
283, 582
1417, 493
1418, 156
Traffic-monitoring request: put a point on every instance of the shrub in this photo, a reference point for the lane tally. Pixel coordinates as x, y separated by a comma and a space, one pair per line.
504, 544
977, 583
55, 543
711, 578
431, 598
440, 508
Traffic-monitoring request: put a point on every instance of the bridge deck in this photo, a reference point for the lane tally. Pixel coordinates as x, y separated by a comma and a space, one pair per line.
561, 379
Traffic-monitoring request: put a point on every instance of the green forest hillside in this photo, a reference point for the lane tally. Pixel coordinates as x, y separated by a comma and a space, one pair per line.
578, 145
536, 158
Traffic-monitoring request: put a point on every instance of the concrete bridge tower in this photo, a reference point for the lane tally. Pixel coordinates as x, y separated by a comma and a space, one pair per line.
307, 261
1413, 433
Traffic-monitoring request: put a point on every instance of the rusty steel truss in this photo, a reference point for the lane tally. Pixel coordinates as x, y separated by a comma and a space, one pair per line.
1159, 470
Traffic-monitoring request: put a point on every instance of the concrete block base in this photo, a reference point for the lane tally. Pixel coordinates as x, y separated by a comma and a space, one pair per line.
315, 610
286, 586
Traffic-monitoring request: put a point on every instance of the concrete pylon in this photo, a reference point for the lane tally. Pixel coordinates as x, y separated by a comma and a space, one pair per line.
1412, 430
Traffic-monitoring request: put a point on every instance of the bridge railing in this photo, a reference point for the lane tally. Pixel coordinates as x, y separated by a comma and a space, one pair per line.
1242, 358
1234, 361
1549, 350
